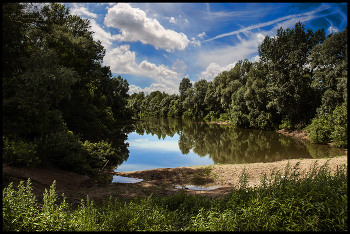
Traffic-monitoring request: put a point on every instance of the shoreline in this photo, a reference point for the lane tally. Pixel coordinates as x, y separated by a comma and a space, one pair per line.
159, 182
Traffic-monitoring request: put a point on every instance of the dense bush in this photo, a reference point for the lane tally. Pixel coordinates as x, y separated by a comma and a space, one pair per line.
64, 150
284, 201
330, 128
340, 133
101, 152
19, 153
320, 129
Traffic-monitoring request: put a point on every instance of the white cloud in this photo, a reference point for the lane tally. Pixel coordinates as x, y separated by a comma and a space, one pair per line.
332, 28
152, 88
121, 60
161, 74
230, 54
195, 42
201, 35
81, 11
292, 19
213, 70
171, 20
100, 34
255, 59
134, 25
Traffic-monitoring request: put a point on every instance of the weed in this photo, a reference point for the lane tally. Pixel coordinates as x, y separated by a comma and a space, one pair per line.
289, 200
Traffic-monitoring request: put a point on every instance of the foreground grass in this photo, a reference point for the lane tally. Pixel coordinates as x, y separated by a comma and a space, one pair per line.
285, 201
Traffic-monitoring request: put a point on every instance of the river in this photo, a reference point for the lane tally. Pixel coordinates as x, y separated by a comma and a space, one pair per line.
170, 142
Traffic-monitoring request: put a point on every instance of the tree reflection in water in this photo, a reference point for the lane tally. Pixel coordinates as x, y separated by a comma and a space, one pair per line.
229, 144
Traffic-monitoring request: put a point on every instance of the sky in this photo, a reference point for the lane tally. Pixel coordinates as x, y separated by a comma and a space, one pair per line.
155, 45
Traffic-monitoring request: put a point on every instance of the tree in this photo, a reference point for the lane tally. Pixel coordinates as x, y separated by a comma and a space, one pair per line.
329, 64
289, 75
200, 90
185, 84
54, 84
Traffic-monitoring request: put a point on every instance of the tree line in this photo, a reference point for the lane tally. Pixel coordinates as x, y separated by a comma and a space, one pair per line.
60, 105
299, 83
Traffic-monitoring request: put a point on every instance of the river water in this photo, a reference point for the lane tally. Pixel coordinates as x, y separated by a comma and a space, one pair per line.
170, 143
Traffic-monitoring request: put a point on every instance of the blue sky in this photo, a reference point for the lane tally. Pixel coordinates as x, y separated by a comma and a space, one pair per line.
154, 45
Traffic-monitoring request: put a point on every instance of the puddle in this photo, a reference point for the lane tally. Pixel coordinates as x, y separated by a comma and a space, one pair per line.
123, 179
202, 187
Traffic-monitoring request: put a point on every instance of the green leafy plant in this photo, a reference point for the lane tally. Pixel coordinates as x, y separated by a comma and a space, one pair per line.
289, 200
20, 153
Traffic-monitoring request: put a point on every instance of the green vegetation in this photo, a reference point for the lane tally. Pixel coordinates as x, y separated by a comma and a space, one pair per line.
300, 80
60, 105
288, 200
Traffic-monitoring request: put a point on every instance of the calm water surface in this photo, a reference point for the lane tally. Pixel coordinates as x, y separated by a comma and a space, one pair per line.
170, 143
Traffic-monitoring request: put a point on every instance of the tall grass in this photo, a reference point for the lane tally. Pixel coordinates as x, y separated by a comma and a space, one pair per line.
292, 200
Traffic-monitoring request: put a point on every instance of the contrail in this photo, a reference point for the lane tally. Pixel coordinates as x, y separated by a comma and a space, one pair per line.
321, 8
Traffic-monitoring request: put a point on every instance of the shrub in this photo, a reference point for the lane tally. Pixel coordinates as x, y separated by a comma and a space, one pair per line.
20, 153
286, 124
340, 133
100, 152
65, 151
320, 129
330, 128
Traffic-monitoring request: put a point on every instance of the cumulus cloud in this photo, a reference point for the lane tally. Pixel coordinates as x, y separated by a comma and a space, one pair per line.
100, 34
81, 11
123, 61
134, 25
160, 74
152, 88
213, 70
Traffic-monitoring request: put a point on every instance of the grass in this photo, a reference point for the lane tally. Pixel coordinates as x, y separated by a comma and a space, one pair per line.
288, 200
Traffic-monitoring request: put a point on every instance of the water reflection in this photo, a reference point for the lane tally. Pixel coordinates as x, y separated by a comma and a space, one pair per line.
228, 144
123, 179
198, 187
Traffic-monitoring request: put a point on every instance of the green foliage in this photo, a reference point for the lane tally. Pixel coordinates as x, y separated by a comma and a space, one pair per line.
19, 153
286, 124
64, 150
288, 200
320, 129
53, 82
183, 87
101, 152
330, 128
340, 120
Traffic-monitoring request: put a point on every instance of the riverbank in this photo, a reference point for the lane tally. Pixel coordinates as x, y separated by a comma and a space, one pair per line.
159, 182
301, 135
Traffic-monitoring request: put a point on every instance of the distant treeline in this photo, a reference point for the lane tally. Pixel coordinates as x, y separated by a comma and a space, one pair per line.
60, 105
300, 82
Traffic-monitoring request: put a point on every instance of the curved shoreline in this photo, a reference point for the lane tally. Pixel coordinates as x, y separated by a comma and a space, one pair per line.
159, 182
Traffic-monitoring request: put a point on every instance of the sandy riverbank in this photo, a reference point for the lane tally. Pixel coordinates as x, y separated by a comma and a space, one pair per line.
161, 181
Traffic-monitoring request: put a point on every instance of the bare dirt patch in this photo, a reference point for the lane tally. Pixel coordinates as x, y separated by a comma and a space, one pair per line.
159, 182
301, 135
